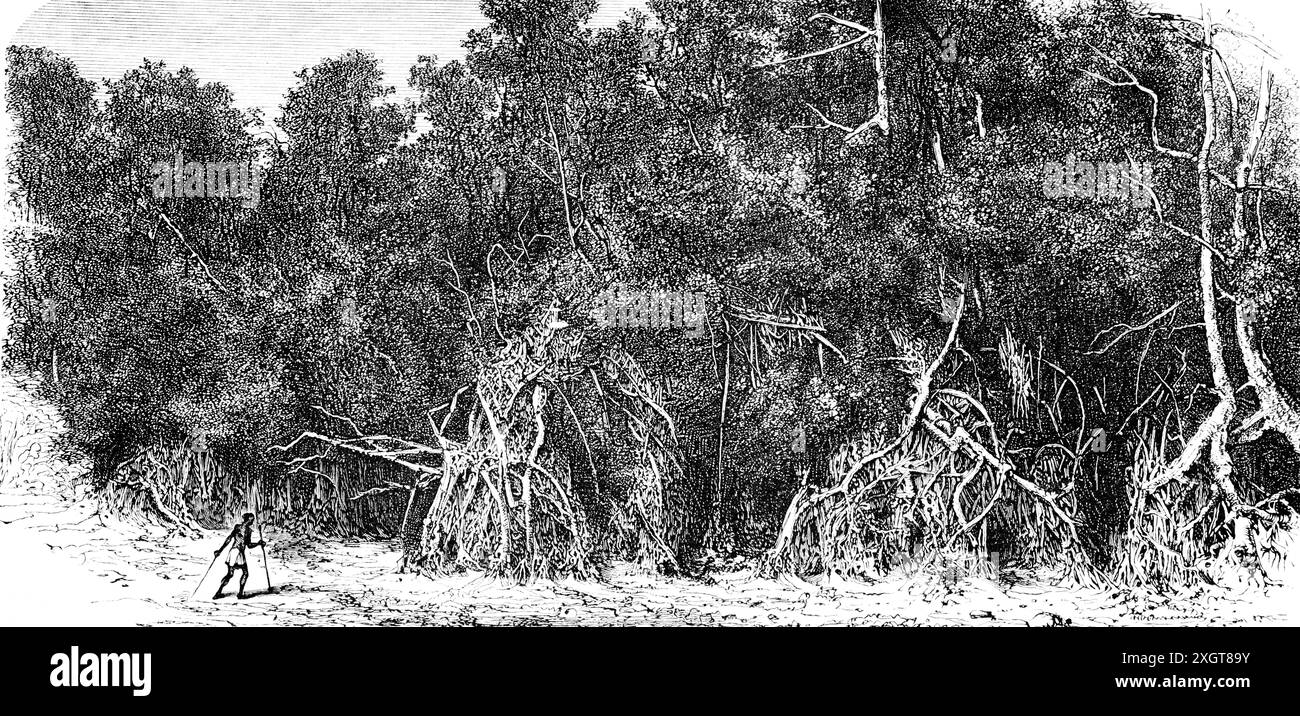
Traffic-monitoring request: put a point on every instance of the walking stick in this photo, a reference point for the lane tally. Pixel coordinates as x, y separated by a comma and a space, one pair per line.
211, 564
265, 568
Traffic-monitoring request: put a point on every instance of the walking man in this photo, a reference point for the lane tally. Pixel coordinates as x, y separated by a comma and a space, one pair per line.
241, 537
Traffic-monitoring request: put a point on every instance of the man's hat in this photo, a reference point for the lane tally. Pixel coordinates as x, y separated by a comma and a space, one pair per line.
248, 515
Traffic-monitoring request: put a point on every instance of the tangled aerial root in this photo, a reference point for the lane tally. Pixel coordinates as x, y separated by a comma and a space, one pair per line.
933, 489
1181, 531
172, 481
501, 500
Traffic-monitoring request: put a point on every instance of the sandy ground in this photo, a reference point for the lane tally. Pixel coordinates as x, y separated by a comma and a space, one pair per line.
65, 565
62, 563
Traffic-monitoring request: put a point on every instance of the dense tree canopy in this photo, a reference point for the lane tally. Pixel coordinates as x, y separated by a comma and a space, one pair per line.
401, 333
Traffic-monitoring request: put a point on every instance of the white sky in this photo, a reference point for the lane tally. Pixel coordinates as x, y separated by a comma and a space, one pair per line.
255, 46
252, 46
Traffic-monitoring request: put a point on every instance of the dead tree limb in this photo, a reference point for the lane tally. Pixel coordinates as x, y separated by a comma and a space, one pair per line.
879, 119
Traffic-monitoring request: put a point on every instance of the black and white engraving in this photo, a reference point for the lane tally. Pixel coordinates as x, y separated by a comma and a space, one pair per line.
661, 312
